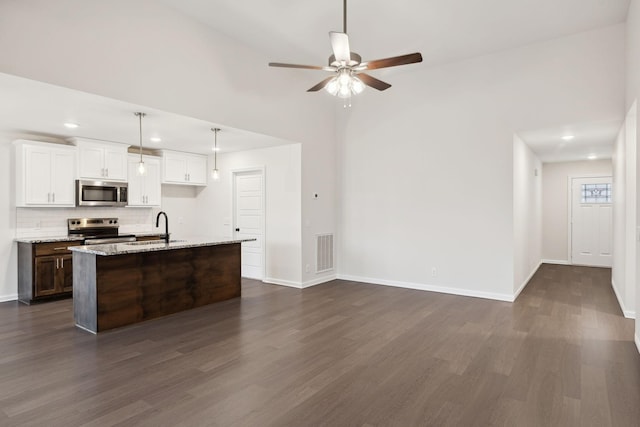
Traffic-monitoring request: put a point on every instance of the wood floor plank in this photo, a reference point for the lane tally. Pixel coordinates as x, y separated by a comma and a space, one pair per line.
337, 354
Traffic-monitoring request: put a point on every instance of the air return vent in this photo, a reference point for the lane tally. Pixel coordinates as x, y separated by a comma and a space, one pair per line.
324, 252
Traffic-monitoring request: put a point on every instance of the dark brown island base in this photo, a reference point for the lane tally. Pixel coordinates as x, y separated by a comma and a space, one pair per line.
120, 284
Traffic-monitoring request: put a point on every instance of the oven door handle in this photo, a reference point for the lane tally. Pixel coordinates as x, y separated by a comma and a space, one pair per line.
111, 240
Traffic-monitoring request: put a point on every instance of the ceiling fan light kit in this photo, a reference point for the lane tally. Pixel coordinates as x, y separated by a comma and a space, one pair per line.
348, 69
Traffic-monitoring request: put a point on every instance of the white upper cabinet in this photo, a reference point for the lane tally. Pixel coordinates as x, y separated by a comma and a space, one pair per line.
45, 174
184, 168
101, 160
144, 190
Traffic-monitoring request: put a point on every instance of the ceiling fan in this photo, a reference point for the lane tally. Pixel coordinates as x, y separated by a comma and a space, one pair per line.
347, 68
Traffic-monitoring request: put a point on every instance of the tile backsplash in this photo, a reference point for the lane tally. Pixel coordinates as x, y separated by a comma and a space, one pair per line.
50, 222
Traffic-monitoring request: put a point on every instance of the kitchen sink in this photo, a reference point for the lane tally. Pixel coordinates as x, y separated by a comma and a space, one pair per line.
153, 242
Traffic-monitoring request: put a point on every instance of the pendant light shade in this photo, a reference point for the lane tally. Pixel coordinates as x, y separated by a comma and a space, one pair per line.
215, 174
141, 167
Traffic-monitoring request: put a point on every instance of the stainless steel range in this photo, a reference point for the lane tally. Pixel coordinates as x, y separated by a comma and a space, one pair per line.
98, 231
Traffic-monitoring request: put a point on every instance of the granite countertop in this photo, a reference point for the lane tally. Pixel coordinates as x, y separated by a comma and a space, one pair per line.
151, 246
51, 239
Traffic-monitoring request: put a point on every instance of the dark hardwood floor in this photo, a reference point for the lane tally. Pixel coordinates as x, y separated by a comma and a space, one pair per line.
339, 354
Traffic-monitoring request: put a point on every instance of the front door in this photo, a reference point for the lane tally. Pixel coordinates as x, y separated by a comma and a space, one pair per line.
249, 220
591, 222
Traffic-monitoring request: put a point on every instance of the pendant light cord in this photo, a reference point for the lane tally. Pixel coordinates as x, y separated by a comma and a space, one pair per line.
215, 148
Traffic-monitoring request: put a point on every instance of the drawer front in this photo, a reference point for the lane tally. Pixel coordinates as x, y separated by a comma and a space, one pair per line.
54, 248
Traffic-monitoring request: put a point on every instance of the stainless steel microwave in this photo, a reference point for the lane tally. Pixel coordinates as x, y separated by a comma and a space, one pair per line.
101, 193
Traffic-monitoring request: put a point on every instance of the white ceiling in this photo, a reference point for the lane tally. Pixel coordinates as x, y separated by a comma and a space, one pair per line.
31, 109
297, 31
589, 139
442, 30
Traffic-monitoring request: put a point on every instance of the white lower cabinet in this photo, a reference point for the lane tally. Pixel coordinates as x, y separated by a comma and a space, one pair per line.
144, 190
184, 168
45, 174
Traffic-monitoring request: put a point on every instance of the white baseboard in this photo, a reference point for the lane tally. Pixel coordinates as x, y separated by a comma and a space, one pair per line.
556, 261
629, 314
638, 341
526, 281
429, 288
299, 285
318, 281
279, 282
10, 297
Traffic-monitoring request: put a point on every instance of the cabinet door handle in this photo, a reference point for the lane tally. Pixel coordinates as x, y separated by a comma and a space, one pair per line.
48, 197
57, 263
107, 172
53, 197
102, 172
62, 259
61, 248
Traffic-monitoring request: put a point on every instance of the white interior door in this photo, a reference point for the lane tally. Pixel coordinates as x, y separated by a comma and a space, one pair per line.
591, 222
248, 196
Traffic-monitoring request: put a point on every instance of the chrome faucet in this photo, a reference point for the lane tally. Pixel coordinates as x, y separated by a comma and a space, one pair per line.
166, 225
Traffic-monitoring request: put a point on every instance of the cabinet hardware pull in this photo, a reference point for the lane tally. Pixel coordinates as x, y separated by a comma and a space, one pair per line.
61, 248
48, 197
57, 263
62, 259
107, 169
53, 197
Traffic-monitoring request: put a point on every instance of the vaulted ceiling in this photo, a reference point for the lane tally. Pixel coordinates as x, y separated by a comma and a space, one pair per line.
443, 30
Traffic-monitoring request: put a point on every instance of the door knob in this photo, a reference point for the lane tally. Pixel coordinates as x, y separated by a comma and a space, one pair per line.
237, 229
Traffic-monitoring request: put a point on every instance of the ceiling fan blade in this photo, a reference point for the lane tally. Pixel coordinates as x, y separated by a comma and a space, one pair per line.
373, 82
411, 58
340, 46
306, 67
321, 85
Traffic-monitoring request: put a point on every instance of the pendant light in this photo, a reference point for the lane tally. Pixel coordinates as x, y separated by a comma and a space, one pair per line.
215, 174
141, 168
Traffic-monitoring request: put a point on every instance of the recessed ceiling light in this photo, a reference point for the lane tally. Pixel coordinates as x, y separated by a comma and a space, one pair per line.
155, 139
71, 125
592, 157
568, 137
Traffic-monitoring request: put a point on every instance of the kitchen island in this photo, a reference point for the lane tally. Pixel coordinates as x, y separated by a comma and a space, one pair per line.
120, 284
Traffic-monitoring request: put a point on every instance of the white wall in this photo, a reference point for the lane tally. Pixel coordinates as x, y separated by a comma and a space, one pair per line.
283, 212
8, 248
623, 277
618, 272
631, 222
527, 213
555, 207
147, 53
427, 167
633, 93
